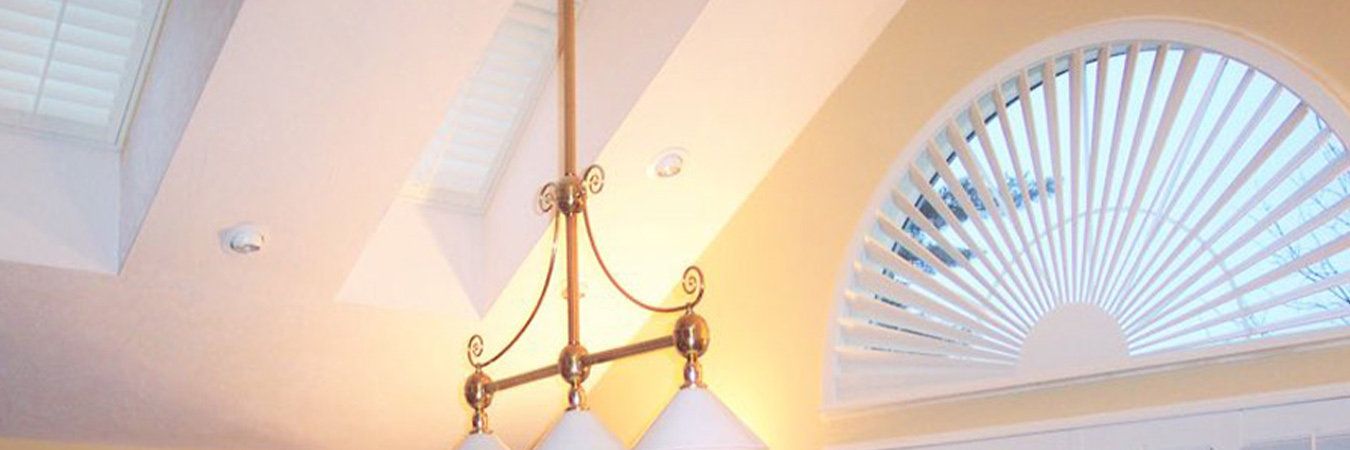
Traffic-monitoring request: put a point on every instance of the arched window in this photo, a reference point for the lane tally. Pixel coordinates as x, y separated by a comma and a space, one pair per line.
1122, 204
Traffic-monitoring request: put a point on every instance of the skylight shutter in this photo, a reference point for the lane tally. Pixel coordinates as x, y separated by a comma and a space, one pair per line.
461, 164
71, 67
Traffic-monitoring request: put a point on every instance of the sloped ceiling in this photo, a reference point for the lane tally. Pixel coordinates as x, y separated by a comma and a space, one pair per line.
308, 125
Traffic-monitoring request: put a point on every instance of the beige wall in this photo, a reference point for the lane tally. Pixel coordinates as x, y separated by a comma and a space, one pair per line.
772, 269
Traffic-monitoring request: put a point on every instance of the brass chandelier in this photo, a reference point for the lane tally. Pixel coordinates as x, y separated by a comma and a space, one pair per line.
694, 419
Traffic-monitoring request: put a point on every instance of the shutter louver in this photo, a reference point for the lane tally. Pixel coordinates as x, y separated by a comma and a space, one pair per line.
71, 67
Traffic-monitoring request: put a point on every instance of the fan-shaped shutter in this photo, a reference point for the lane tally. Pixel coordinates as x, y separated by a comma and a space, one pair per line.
1183, 195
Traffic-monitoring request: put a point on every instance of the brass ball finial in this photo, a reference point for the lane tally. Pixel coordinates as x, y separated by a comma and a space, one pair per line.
571, 195
691, 335
570, 364
573, 369
691, 340
477, 391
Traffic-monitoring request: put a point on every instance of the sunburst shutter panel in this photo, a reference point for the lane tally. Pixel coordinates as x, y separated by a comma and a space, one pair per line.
1106, 208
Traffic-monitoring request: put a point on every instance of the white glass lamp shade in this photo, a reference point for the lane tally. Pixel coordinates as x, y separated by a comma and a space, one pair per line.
579, 430
696, 420
481, 441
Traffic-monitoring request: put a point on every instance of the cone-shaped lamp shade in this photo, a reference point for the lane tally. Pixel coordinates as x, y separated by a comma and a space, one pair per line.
696, 420
481, 441
579, 430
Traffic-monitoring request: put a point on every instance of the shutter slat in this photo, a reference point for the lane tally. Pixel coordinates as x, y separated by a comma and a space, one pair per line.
93, 19
95, 40
865, 335
23, 44
85, 76
24, 24
76, 93
84, 57
41, 8
476, 154
16, 100
18, 82
874, 281
76, 112
120, 8
20, 63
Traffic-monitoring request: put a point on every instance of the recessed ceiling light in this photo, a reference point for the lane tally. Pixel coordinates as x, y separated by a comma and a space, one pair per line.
244, 239
669, 163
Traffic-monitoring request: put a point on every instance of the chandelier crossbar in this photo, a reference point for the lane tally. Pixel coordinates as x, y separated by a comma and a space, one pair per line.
592, 359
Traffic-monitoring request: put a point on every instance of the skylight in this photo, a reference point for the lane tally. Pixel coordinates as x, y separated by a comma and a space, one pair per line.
72, 67
461, 164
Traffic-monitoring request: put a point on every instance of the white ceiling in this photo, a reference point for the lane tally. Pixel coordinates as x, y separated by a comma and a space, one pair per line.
312, 118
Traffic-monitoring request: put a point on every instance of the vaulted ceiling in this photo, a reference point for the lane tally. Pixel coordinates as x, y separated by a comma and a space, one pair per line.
347, 329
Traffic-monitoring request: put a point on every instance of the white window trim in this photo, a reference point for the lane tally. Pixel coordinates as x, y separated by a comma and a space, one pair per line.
1158, 413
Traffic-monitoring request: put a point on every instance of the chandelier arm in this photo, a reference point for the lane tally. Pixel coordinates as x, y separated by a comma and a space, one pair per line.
691, 282
549, 371
476, 342
541, 373
634, 349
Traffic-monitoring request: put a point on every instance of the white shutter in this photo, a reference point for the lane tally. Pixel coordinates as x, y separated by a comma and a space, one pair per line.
71, 67
461, 163
1189, 196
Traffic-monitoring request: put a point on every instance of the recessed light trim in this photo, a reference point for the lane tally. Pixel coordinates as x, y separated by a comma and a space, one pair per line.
669, 163
244, 239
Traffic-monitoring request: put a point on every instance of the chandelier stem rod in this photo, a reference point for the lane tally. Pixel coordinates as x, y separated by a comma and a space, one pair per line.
606, 356
573, 290
567, 42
